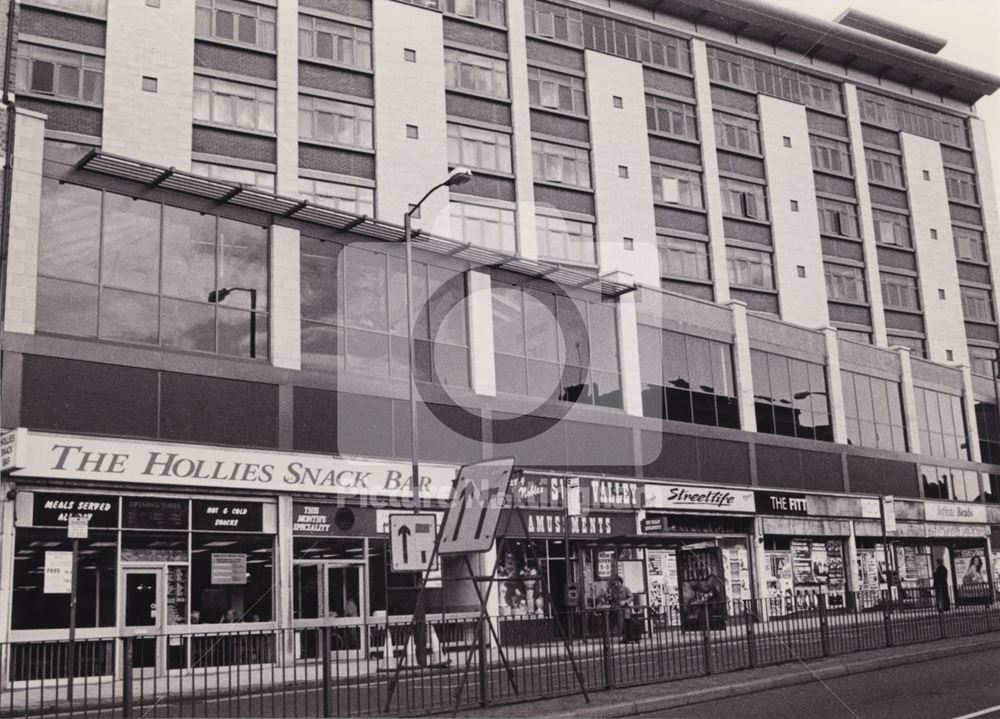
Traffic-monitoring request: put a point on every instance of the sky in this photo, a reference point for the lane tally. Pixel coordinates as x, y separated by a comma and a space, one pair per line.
971, 27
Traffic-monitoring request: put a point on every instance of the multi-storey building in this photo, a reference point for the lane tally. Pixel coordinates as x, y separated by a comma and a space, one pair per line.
732, 266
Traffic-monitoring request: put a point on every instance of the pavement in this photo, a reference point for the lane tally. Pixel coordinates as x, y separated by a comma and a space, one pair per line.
653, 698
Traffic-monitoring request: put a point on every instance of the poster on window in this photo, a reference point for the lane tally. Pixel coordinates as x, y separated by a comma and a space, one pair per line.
702, 588
802, 566
970, 568
820, 562
779, 583
604, 565
229, 568
737, 572
836, 577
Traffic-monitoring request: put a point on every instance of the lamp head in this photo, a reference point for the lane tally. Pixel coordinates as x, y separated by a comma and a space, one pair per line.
216, 296
458, 176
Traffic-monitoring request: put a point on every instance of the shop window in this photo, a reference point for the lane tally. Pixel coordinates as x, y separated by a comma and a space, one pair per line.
687, 378
941, 422
873, 409
236, 599
790, 397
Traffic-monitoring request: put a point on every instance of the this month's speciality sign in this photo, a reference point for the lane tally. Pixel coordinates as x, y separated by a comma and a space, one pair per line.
480, 495
412, 537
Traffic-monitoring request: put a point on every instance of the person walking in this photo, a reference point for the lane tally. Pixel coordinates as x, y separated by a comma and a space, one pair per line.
941, 587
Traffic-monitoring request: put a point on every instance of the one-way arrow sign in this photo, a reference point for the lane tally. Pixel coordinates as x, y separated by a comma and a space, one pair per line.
480, 494
412, 537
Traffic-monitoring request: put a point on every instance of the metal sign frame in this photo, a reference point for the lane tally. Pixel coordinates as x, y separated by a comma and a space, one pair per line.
400, 525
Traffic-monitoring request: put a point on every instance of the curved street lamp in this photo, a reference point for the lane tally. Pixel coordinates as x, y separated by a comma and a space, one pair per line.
216, 296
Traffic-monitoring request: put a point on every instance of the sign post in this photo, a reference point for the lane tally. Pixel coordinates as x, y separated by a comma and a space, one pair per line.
76, 529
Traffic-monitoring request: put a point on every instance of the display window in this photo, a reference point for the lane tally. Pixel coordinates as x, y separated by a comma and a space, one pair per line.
232, 576
799, 570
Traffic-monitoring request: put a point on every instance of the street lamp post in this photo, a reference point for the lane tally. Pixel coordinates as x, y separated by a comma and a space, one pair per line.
216, 296
458, 176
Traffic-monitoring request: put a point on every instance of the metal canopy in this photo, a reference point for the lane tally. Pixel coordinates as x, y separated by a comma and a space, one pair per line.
234, 193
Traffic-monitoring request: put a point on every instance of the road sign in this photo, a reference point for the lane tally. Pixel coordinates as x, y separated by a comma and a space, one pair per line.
412, 537
76, 527
889, 514
480, 495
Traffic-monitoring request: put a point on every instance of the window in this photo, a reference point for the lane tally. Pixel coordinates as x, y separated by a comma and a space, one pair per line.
338, 42
413, 132
342, 123
485, 226
891, 228
686, 378
977, 304
899, 292
873, 408
617, 102
541, 350
734, 132
684, 258
568, 240
749, 268
671, 117
243, 22
837, 218
941, 422
234, 104
486, 76
916, 345
344, 197
909, 117
769, 78
844, 283
488, 11
60, 74
961, 185
830, 155
149, 84
561, 163
987, 416
97, 8
479, 149
683, 187
963, 485
790, 396
743, 199
136, 271
969, 244
556, 91
354, 315
983, 361
793, 205
409, 55
884, 167
554, 21
243, 175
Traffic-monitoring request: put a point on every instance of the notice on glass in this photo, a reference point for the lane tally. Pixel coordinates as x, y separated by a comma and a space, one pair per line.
229, 568
58, 573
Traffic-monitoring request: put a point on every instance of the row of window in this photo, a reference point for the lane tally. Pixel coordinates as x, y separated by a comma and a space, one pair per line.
912, 118
830, 155
768, 78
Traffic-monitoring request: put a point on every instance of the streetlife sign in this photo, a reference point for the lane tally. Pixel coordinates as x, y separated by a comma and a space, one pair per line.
479, 497
412, 539
694, 498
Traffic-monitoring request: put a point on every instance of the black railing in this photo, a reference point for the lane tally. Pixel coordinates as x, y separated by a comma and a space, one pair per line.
375, 669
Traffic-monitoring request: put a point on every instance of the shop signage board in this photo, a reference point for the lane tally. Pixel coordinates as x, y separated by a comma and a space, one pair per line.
612, 493
870, 508
784, 503
479, 497
954, 512
590, 525
97, 459
53, 509
154, 513
227, 516
13, 449
76, 527
229, 568
694, 498
58, 578
551, 491
412, 539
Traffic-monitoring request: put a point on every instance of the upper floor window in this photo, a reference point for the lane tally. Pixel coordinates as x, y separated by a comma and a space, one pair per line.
342, 196
97, 8
243, 22
913, 118
884, 167
844, 283
961, 185
977, 304
837, 218
686, 378
554, 21
734, 132
917, 346
671, 184
556, 91
941, 422
983, 361
567, 240
478, 148
750, 268
234, 104
484, 225
130, 270
482, 75
561, 163
543, 341
243, 175
488, 11
963, 485
969, 244
684, 258
60, 74
337, 42
743, 199
671, 117
899, 292
873, 408
769, 78
790, 396
892, 228
343, 123
830, 155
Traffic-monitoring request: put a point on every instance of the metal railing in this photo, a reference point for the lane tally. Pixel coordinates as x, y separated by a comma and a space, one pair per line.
375, 669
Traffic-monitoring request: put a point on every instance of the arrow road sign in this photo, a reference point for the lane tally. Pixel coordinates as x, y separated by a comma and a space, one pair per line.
412, 537
480, 494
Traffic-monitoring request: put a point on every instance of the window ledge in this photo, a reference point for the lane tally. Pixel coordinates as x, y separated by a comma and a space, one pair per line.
64, 11
569, 114
563, 186
661, 135
740, 151
323, 62
833, 173
748, 288
886, 185
690, 280
472, 93
56, 98
751, 220
474, 21
238, 45
899, 248
852, 303
680, 206
913, 312
242, 130
336, 146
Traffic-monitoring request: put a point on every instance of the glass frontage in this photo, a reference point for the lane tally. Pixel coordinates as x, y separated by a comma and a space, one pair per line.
873, 408
790, 396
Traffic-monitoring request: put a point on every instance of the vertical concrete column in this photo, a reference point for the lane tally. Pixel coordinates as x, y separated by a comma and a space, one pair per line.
25, 217
760, 569
969, 408
834, 386
710, 164
851, 571
987, 202
284, 576
909, 399
286, 121
6, 571
524, 186
628, 349
481, 350
741, 365
285, 308
865, 216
